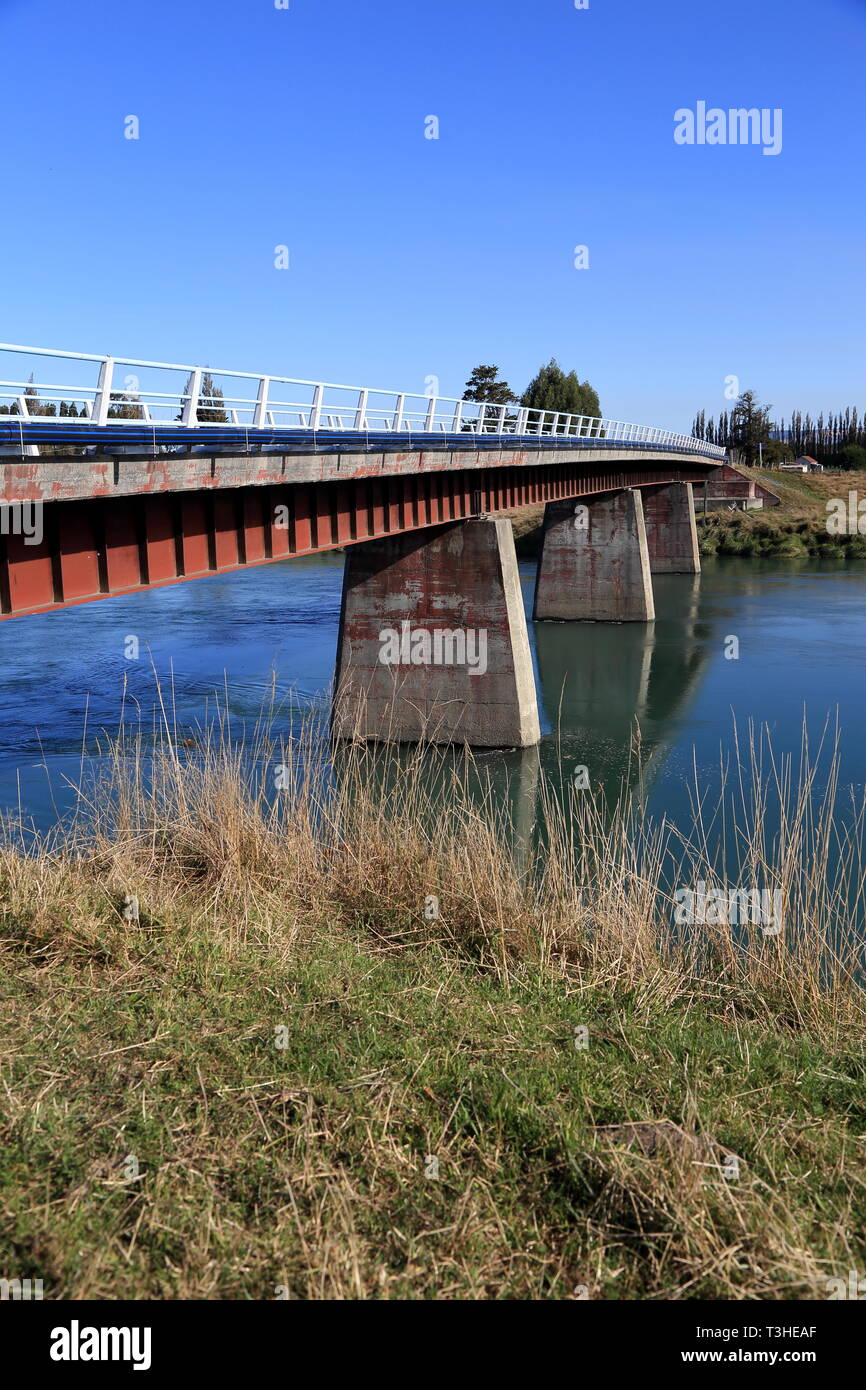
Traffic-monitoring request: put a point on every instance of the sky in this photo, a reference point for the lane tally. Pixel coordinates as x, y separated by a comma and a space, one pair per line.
710, 267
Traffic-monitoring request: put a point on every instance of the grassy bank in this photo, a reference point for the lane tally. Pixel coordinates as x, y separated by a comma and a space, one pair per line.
797, 526
245, 1090
527, 523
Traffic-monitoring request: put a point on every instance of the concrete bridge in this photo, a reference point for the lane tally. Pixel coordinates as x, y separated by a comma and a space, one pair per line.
136, 485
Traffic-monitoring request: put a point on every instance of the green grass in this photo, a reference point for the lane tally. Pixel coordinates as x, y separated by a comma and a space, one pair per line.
796, 527
305, 1167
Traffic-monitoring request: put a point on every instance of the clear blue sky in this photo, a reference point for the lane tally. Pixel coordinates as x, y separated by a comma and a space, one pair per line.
413, 257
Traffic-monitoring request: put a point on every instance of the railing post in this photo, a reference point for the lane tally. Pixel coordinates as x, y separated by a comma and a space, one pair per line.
479, 425
457, 422
316, 407
500, 424
189, 414
398, 413
430, 422
103, 391
520, 423
260, 419
361, 412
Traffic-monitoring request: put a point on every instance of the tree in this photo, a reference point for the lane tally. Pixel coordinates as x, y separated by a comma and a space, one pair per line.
776, 451
852, 456
125, 406
211, 410
750, 427
552, 389
35, 406
484, 385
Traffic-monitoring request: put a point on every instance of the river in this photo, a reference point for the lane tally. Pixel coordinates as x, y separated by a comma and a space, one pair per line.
800, 644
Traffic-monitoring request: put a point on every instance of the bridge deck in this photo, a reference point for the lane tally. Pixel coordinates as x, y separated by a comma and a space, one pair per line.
130, 468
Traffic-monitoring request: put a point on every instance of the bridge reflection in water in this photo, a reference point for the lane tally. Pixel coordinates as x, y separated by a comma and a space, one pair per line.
604, 685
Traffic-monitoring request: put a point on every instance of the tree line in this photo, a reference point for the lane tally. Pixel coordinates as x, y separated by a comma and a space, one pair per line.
124, 405
836, 440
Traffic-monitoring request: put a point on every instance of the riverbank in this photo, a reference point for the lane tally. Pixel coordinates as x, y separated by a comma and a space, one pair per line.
349, 1047
797, 526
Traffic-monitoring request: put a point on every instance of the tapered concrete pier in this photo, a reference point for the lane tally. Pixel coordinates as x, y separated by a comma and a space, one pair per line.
671, 532
433, 640
594, 564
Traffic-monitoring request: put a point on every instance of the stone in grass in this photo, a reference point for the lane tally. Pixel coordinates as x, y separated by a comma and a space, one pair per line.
130, 910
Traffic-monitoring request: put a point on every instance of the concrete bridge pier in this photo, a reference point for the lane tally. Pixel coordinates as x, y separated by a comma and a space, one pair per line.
672, 535
594, 564
433, 640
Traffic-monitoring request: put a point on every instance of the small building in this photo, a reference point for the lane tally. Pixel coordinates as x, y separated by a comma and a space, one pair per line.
803, 465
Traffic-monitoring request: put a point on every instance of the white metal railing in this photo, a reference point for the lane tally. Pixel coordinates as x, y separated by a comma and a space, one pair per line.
124, 391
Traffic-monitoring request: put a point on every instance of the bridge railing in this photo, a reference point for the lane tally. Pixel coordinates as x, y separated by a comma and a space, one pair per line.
129, 391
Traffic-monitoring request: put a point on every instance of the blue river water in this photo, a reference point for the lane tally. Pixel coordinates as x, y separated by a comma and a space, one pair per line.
747, 640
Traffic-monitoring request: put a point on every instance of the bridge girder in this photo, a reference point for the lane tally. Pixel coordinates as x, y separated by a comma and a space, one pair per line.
133, 534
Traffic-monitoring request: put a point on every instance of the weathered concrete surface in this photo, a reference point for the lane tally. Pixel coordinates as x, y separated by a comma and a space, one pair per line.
51, 479
413, 606
671, 532
727, 488
594, 563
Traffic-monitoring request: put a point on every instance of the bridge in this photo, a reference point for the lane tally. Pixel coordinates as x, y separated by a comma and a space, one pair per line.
133, 474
